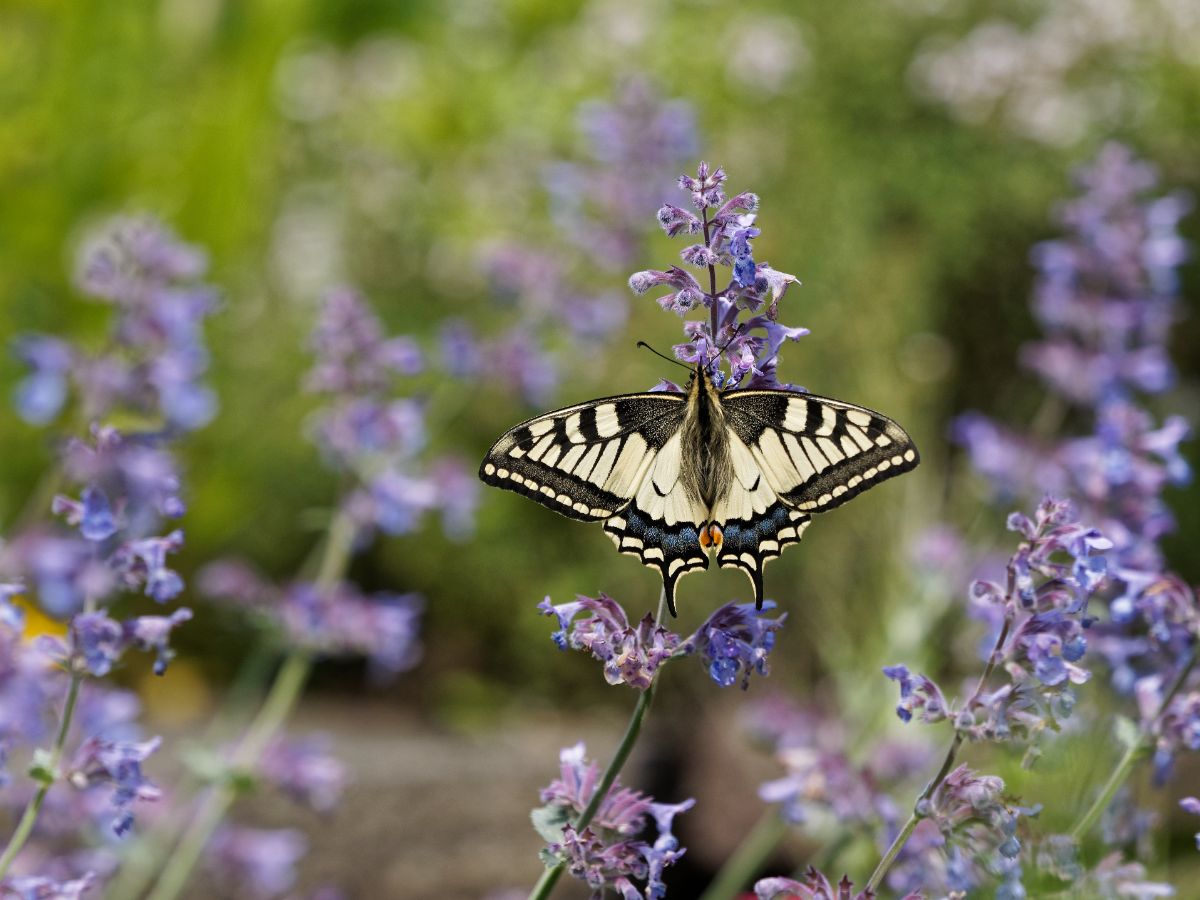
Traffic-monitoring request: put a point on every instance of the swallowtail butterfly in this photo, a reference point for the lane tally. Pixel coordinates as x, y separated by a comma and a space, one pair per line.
675, 477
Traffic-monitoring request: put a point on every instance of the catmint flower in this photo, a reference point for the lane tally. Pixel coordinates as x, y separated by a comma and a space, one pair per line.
41, 395
606, 855
156, 360
154, 633
630, 655
736, 640
749, 347
815, 886
919, 693
36, 887
118, 763
258, 860
338, 621
305, 770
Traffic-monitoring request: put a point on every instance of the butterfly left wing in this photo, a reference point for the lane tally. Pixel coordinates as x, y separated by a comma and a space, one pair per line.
794, 455
615, 460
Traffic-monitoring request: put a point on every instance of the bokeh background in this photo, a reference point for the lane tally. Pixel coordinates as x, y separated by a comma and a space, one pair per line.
907, 152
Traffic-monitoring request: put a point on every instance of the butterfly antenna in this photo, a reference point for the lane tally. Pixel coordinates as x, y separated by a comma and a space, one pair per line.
669, 359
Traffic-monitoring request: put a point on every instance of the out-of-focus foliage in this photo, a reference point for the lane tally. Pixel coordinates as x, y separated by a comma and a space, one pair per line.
907, 154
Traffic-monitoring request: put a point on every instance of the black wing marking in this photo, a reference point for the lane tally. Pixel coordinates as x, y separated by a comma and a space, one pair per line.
817, 453
674, 550
585, 461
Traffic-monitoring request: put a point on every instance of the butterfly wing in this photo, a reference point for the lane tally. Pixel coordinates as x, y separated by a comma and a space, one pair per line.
615, 460
794, 455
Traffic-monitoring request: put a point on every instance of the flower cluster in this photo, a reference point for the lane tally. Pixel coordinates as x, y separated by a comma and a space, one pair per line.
726, 226
815, 886
155, 360
379, 439
735, 640
606, 854
967, 837
635, 144
1106, 298
305, 770
261, 862
1039, 621
823, 782
338, 621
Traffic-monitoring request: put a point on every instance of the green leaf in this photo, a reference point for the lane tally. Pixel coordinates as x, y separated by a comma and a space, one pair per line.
548, 821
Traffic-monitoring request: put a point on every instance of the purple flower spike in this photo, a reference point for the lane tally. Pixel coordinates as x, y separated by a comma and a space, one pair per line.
918, 693
607, 855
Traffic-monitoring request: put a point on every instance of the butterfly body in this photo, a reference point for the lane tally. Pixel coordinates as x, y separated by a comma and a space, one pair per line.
676, 477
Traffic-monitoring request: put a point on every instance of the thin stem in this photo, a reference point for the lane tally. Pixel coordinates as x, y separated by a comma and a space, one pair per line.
947, 766
1132, 755
758, 844
712, 281
284, 693
550, 877
29, 817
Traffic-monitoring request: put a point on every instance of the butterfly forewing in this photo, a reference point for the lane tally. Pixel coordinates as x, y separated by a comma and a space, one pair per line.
585, 461
815, 452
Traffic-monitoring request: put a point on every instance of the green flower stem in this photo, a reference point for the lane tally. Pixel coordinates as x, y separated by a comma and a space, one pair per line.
758, 844
550, 877
1133, 754
281, 699
29, 817
917, 814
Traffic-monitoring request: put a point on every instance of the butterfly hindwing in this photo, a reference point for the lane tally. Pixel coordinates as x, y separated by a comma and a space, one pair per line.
662, 525
817, 453
754, 524
585, 461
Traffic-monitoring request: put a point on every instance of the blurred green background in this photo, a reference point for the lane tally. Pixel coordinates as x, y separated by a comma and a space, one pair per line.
907, 152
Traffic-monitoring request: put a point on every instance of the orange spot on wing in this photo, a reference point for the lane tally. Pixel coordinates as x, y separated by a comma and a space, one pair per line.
710, 536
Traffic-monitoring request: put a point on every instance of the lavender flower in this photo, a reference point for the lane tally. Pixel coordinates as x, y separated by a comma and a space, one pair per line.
365, 432
630, 655
118, 763
305, 770
815, 886
338, 621
35, 887
736, 640
1106, 298
606, 855
156, 360
261, 862
1041, 613
749, 347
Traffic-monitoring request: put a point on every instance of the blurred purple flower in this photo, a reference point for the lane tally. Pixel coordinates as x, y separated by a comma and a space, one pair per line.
118, 763
815, 886
304, 769
156, 359
1191, 805
336, 622
366, 432
35, 887
257, 862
